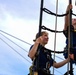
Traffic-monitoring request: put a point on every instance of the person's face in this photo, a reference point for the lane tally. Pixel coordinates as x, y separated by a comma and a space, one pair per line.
45, 38
74, 23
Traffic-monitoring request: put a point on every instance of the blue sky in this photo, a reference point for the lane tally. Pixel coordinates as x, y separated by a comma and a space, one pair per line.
20, 18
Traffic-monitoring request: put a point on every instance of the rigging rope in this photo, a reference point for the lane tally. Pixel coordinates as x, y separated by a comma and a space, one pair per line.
45, 28
70, 38
49, 12
54, 51
15, 50
15, 37
55, 32
14, 43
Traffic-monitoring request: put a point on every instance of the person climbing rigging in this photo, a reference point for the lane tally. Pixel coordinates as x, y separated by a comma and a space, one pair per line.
65, 31
45, 57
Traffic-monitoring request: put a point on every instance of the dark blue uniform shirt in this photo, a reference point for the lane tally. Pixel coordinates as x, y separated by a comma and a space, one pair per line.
74, 39
74, 44
43, 59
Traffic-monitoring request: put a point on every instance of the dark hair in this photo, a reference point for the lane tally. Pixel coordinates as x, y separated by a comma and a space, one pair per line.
37, 35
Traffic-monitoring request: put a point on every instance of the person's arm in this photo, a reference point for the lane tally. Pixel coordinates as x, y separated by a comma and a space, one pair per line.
67, 17
62, 63
33, 50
